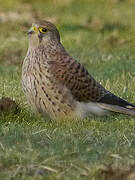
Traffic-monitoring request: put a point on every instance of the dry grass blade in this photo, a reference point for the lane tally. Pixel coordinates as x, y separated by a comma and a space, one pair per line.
49, 169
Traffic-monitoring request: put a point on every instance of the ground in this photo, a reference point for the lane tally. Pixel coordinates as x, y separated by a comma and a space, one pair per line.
99, 34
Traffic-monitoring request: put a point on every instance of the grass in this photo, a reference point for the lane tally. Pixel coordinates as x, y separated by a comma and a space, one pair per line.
100, 34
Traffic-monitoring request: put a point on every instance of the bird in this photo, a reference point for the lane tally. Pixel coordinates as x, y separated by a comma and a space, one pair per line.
58, 86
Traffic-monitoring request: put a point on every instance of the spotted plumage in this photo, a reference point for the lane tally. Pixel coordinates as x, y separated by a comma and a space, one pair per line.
57, 85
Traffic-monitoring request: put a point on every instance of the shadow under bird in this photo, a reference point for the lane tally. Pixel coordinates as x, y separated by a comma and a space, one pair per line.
55, 84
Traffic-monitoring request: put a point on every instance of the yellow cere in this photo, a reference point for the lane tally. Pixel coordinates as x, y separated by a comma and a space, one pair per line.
35, 29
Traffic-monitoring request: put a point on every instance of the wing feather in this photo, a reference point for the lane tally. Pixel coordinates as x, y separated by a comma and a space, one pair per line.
76, 78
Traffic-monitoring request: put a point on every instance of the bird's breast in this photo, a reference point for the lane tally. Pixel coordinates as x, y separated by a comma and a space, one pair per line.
43, 91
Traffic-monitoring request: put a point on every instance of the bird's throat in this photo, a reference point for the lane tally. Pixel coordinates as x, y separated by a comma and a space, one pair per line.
34, 41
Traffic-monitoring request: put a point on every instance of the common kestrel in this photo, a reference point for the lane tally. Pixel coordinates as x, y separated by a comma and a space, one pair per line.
57, 85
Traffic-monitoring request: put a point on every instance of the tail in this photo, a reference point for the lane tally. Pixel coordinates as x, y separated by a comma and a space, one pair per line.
116, 104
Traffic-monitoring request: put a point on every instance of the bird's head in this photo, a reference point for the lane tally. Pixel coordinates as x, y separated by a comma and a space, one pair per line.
43, 32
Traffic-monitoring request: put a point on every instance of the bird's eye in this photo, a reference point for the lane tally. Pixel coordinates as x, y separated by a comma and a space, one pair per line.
42, 30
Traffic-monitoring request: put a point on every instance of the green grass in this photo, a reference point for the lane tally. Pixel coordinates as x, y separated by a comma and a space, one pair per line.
101, 35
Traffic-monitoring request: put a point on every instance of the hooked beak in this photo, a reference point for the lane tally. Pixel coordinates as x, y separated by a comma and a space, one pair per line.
33, 30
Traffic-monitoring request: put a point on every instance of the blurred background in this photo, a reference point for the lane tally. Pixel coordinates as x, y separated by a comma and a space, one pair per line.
100, 34
90, 24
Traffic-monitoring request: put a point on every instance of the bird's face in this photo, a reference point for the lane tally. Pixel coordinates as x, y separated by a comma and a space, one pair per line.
42, 32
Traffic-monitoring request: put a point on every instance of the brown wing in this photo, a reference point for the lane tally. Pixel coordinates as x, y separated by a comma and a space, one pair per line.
75, 77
